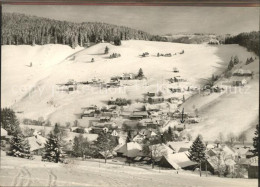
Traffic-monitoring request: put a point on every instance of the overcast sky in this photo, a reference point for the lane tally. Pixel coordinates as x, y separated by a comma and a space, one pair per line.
153, 19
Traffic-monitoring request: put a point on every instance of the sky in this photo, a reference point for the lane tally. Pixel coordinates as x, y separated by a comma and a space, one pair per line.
153, 19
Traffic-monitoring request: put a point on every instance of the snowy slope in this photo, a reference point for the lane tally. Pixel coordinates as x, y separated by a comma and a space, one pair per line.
18, 78
235, 110
197, 63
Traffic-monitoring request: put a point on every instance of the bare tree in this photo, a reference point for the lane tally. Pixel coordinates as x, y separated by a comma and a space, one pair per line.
154, 151
220, 138
231, 138
242, 138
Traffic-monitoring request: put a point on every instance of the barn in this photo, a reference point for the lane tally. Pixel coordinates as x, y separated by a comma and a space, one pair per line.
155, 100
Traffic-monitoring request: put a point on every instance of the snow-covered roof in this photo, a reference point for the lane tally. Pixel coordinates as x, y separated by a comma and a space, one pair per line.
177, 145
36, 142
242, 71
164, 149
72, 135
179, 160
3, 132
131, 149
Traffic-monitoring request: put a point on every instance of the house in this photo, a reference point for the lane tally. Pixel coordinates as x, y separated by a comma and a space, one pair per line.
128, 76
114, 133
37, 143
229, 152
242, 72
126, 114
241, 151
77, 129
180, 127
144, 114
177, 161
215, 163
175, 90
176, 79
159, 150
115, 113
135, 117
177, 115
72, 85
71, 135
138, 115
115, 78
113, 84
145, 54
151, 108
112, 101
150, 123
155, 100
175, 70
239, 82
91, 107
174, 100
138, 138
95, 81
191, 120
104, 119
151, 94
88, 113
131, 150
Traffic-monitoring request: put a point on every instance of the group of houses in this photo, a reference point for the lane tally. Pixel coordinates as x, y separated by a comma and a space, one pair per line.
220, 159
241, 77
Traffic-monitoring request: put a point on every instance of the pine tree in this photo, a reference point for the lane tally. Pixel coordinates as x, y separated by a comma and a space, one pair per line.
231, 64
56, 129
19, 146
236, 60
53, 152
170, 132
197, 151
106, 50
129, 137
9, 121
140, 73
255, 151
117, 41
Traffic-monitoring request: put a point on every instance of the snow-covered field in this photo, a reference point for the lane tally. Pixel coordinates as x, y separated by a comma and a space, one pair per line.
33, 90
23, 172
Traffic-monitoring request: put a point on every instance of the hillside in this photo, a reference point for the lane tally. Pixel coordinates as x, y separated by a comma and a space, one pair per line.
247, 40
18, 29
198, 63
18, 78
235, 110
196, 38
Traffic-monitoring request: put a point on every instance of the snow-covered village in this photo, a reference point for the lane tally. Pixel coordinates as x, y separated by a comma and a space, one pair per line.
88, 100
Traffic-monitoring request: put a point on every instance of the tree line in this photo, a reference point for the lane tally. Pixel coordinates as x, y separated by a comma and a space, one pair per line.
248, 40
19, 29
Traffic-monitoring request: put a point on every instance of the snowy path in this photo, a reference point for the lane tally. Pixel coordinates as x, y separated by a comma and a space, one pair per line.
36, 173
